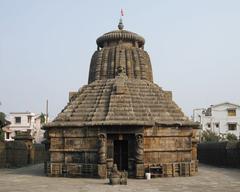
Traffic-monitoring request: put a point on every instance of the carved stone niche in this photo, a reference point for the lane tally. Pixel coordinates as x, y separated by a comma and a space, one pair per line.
102, 140
119, 86
120, 71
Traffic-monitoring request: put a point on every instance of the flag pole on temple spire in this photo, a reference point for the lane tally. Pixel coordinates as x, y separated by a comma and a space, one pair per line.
120, 25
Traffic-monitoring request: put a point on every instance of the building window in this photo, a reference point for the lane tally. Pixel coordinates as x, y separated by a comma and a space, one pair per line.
232, 126
29, 119
231, 112
217, 125
18, 120
209, 125
208, 112
7, 135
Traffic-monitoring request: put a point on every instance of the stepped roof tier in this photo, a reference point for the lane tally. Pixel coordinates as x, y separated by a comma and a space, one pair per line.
120, 88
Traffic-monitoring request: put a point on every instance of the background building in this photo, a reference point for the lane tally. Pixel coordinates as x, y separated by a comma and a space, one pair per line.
222, 118
23, 122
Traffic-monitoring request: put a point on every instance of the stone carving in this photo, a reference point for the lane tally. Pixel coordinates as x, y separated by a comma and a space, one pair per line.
139, 148
102, 148
121, 71
116, 177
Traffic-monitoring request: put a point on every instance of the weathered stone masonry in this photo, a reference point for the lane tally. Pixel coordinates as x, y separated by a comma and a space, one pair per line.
121, 117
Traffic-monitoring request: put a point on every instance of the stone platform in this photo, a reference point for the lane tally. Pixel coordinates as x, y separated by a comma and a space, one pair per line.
31, 178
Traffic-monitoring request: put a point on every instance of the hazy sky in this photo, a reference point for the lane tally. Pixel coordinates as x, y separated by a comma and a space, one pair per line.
46, 47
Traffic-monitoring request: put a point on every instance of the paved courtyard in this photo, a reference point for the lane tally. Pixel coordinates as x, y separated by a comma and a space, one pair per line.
32, 179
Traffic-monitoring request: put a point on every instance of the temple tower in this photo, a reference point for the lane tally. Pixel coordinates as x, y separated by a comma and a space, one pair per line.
121, 117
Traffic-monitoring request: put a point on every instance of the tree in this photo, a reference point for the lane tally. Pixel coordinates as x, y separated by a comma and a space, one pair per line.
3, 122
1, 135
43, 118
210, 136
2, 119
231, 137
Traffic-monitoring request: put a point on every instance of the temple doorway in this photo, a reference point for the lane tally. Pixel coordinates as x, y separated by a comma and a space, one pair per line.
121, 154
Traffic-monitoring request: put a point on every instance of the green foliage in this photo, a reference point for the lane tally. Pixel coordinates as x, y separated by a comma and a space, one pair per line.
2, 123
210, 136
43, 119
1, 135
231, 137
2, 119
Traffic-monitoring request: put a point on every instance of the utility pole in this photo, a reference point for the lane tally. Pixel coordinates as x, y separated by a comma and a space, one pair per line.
47, 111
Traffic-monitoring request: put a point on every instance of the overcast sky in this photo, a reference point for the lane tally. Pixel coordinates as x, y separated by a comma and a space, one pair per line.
46, 47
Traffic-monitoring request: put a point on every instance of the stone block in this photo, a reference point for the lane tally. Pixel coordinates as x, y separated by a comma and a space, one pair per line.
140, 171
102, 171
56, 169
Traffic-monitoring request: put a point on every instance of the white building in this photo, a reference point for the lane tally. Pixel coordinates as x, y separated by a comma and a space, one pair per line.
222, 118
24, 121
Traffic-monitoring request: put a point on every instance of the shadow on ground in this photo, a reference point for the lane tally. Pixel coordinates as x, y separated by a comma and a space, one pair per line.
31, 170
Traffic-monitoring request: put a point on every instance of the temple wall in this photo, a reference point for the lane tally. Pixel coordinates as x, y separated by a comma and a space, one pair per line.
82, 152
170, 149
73, 152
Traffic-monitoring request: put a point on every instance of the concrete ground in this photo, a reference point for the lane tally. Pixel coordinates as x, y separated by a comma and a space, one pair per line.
32, 179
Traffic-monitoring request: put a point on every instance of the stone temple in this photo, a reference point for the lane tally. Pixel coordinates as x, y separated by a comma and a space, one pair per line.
121, 117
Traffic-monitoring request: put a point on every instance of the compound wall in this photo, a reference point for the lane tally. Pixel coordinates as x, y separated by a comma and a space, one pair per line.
18, 154
220, 154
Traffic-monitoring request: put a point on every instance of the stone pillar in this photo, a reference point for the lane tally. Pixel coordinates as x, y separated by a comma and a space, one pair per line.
139, 156
102, 169
102, 148
139, 148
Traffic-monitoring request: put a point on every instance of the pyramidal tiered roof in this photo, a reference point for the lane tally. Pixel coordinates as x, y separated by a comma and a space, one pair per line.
120, 89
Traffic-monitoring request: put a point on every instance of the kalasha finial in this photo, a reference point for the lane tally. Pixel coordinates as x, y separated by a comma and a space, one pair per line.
120, 24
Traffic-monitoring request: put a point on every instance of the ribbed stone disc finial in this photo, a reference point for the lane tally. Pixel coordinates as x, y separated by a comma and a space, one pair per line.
120, 25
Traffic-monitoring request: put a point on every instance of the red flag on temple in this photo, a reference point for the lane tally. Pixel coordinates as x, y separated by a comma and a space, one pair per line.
121, 12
